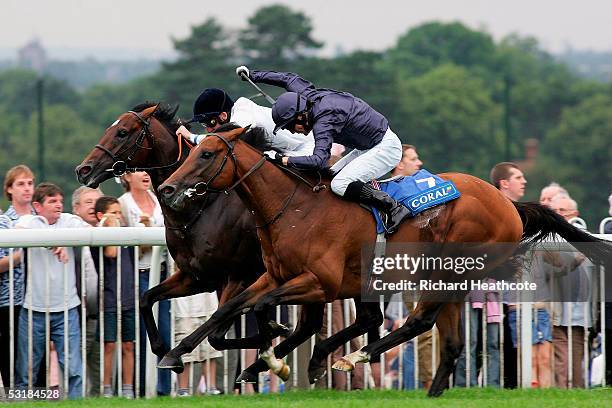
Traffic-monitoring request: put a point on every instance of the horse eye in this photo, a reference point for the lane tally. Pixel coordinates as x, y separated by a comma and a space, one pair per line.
122, 133
206, 155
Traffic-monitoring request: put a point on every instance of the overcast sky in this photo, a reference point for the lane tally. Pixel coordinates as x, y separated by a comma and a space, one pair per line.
139, 24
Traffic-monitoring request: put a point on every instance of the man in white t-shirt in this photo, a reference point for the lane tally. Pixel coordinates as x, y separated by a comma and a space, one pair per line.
52, 272
214, 107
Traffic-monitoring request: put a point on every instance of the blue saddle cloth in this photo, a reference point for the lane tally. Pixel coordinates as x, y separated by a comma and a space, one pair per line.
418, 192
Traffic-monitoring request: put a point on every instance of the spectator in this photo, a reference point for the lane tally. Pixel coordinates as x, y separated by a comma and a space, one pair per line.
542, 269
410, 162
191, 312
481, 302
395, 317
139, 207
83, 202
48, 265
18, 287
18, 189
550, 191
509, 179
574, 315
108, 213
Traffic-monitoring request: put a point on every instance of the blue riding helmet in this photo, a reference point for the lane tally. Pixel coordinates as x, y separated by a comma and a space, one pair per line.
286, 108
210, 104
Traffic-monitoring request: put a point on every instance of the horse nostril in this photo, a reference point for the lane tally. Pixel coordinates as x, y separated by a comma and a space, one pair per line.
84, 170
167, 190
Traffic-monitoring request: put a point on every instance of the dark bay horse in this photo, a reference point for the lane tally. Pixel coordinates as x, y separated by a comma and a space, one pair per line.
218, 248
312, 242
215, 251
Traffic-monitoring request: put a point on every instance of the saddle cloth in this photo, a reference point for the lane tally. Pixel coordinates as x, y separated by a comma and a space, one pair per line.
418, 192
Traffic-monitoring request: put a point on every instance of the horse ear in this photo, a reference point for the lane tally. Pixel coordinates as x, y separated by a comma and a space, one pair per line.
147, 113
237, 133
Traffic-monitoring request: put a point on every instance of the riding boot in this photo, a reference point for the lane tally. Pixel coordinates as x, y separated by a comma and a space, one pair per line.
366, 194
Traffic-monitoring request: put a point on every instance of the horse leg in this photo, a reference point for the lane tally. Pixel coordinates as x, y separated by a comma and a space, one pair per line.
451, 343
177, 285
230, 310
303, 289
368, 316
217, 339
310, 322
421, 320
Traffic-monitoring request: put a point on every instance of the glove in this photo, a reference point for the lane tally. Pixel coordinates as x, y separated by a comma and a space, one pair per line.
274, 157
242, 70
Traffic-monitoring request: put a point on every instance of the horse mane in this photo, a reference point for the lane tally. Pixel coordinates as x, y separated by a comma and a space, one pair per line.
255, 136
165, 113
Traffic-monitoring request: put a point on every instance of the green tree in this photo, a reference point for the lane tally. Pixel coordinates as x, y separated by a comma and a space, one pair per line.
276, 35
577, 154
205, 59
18, 90
540, 87
432, 44
449, 116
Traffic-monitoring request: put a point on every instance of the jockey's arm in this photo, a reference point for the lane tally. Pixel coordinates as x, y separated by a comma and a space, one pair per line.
320, 155
288, 80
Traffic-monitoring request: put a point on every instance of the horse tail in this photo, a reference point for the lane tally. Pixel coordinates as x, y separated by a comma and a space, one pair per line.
540, 222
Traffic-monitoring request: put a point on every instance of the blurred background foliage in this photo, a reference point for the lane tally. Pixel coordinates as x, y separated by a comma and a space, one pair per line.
465, 101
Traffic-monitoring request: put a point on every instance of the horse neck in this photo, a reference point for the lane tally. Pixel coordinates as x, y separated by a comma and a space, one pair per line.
264, 191
165, 151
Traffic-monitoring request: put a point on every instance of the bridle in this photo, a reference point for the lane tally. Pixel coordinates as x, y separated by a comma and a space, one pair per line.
120, 166
203, 187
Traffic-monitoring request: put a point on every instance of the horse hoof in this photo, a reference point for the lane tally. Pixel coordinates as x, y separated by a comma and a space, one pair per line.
284, 372
173, 363
316, 374
246, 378
343, 365
279, 329
434, 393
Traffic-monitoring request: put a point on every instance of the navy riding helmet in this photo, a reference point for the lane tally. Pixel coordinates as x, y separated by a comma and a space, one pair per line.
286, 108
210, 104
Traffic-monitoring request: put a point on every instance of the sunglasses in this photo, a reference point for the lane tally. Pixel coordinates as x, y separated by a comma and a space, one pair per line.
208, 120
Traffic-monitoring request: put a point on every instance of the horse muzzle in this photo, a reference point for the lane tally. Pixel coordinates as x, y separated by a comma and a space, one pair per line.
172, 196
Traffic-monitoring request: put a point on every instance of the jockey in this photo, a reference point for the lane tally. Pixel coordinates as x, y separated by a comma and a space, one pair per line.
335, 116
214, 107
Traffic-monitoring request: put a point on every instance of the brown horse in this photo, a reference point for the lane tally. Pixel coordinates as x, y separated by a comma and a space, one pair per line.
218, 249
312, 242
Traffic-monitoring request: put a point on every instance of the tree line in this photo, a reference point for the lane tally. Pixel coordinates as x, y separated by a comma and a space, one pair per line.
465, 100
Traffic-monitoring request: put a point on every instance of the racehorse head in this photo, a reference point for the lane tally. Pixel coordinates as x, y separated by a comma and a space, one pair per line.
127, 143
211, 167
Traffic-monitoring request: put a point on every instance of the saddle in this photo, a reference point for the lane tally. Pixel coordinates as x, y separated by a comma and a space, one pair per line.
418, 192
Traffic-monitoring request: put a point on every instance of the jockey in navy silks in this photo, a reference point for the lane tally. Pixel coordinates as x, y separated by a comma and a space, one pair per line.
340, 117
